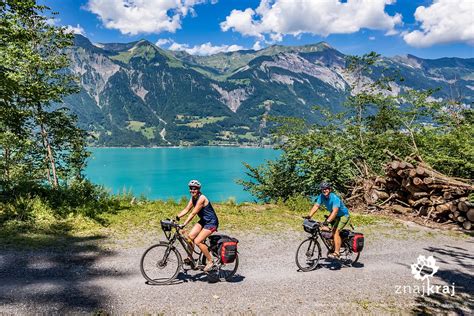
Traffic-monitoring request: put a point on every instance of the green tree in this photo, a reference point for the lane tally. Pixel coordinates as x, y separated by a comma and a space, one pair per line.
35, 64
351, 145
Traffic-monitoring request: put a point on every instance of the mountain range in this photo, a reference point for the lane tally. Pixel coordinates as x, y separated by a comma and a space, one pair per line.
138, 94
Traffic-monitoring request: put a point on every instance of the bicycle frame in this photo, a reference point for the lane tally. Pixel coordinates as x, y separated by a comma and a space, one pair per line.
177, 236
328, 242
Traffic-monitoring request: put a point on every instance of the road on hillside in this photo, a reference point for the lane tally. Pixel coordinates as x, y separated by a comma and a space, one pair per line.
88, 279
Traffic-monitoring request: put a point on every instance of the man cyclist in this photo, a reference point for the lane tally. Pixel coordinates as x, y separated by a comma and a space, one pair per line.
208, 221
339, 216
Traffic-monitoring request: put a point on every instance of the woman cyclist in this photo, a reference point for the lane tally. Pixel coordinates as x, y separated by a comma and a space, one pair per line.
339, 216
208, 221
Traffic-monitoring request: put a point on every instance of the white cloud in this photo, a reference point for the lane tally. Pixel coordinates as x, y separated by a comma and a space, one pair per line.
76, 29
321, 17
178, 46
445, 21
143, 16
53, 21
205, 49
162, 42
257, 45
372, 38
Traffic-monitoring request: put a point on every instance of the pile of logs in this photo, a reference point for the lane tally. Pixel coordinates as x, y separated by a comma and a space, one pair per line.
419, 190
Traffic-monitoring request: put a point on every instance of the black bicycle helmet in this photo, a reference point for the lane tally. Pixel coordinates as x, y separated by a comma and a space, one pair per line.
325, 185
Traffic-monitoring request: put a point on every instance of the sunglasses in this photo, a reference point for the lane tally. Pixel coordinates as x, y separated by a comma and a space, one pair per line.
193, 189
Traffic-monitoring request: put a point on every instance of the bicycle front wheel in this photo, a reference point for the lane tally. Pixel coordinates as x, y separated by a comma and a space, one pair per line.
308, 255
160, 264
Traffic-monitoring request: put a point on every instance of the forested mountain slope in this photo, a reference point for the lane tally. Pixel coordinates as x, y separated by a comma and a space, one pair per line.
137, 94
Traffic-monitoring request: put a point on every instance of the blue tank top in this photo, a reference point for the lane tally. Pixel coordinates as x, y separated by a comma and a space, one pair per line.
207, 213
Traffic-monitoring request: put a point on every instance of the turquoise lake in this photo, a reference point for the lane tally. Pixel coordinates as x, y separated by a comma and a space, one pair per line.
163, 173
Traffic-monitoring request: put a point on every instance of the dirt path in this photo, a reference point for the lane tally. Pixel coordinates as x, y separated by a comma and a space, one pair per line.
89, 279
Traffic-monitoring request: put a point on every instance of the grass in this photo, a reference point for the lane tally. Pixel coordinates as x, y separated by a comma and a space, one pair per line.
148, 132
248, 136
138, 126
198, 122
135, 125
132, 223
174, 63
144, 51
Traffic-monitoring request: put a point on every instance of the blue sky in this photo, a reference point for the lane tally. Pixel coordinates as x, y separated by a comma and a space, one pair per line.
426, 28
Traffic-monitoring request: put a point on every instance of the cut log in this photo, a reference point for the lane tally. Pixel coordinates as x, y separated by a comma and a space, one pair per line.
467, 225
463, 207
444, 187
419, 190
437, 199
403, 173
417, 181
447, 182
428, 181
420, 194
470, 214
421, 201
394, 165
401, 209
447, 195
421, 171
410, 187
430, 171
443, 207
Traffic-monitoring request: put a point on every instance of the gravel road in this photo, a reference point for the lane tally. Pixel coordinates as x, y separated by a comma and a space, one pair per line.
89, 279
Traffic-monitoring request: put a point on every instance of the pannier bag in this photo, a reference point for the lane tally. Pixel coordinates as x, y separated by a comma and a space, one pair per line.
358, 242
310, 226
227, 249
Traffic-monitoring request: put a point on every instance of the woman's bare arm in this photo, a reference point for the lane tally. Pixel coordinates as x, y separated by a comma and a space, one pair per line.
186, 209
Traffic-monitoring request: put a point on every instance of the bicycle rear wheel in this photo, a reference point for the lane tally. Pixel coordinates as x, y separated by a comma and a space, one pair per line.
308, 254
160, 264
348, 257
222, 272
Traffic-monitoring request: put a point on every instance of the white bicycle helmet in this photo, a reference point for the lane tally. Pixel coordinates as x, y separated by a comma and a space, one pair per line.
194, 183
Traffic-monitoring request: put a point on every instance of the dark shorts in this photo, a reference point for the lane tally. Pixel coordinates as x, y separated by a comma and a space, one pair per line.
210, 226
